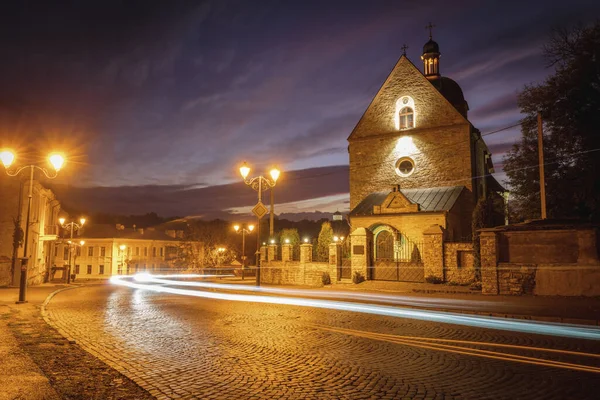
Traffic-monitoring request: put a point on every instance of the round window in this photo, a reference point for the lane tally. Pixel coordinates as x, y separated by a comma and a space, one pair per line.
405, 100
405, 166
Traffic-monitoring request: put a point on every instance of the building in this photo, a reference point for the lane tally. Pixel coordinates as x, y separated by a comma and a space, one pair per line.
42, 230
417, 167
114, 250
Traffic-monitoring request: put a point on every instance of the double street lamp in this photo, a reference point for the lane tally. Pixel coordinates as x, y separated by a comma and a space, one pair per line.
243, 231
8, 157
259, 184
72, 226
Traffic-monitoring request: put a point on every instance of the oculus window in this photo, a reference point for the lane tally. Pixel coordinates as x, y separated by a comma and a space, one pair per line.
405, 166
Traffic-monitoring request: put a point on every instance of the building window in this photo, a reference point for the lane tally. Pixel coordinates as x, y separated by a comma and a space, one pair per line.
161, 252
90, 251
78, 251
145, 252
66, 253
101, 270
102, 251
55, 251
406, 118
405, 166
137, 251
76, 269
154, 252
89, 269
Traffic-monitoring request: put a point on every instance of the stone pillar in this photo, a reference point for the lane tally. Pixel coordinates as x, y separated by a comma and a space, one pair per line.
272, 254
263, 253
361, 243
588, 252
286, 252
335, 260
306, 252
488, 241
433, 252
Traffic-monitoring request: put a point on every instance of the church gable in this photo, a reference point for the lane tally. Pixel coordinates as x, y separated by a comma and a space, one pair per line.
406, 84
395, 203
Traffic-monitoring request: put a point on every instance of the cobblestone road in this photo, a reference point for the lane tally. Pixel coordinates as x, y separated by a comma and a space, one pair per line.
185, 347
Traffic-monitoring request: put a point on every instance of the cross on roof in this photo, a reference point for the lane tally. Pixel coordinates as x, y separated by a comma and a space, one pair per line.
430, 27
404, 48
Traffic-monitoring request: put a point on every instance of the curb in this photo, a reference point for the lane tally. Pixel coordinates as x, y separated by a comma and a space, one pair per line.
46, 317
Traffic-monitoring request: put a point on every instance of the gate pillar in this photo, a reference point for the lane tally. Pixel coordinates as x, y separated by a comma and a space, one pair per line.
433, 252
335, 260
361, 251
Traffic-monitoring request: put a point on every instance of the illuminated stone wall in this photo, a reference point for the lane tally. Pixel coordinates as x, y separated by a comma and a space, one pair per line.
440, 143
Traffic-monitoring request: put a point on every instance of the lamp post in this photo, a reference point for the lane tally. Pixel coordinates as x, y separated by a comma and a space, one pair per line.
259, 184
8, 157
78, 245
71, 226
243, 230
122, 249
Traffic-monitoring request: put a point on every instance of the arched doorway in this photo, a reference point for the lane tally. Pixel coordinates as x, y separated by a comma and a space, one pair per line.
396, 257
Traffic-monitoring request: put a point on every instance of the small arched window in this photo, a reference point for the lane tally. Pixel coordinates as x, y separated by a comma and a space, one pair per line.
406, 118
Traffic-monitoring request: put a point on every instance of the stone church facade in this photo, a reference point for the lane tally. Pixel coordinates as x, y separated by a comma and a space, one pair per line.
417, 169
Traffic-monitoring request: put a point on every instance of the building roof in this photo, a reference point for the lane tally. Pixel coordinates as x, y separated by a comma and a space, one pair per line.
109, 231
428, 199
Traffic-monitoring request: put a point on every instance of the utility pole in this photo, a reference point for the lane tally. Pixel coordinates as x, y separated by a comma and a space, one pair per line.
271, 215
541, 163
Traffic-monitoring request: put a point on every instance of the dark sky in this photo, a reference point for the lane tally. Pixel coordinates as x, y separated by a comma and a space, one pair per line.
157, 103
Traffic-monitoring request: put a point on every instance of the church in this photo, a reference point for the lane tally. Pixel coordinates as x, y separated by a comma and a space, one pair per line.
417, 169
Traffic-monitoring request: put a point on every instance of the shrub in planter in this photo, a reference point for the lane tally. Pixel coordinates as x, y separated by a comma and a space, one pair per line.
326, 279
357, 277
433, 279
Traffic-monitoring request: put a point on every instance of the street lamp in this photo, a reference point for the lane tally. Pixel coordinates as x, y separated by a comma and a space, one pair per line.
243, 231
259, 184
71, 226
7, 158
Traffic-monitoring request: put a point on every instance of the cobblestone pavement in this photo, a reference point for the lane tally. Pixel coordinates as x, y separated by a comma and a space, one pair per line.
187, 347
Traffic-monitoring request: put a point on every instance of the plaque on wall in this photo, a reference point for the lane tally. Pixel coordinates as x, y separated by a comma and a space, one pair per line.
358, 249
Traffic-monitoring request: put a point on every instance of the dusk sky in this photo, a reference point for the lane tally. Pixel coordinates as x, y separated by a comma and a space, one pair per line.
158, 103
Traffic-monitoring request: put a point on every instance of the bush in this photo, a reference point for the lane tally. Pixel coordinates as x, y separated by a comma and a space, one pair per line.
326, 279
357, 277
433, 279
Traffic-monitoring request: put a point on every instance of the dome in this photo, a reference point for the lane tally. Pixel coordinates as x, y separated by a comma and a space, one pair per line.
431, 47
452, 92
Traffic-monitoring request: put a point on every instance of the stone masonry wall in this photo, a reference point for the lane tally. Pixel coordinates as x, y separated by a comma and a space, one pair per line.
459, 263
440, 146
294, 273
516, 279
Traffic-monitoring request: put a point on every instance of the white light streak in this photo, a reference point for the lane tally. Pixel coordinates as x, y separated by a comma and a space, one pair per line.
564, 330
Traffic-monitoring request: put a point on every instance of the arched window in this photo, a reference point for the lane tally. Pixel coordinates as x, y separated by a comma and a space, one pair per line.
406, 118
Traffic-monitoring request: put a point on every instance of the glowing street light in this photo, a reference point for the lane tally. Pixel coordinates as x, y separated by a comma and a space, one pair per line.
7, 157
260, 184
71, 226
243, 231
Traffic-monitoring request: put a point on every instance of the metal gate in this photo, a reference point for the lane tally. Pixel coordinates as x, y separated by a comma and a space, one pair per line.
345, 270
397, 260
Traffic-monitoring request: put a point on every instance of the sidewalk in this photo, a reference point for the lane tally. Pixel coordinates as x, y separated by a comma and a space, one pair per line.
459, 299
36, 362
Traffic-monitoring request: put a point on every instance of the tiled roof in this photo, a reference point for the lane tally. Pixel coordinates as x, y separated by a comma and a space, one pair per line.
429, 199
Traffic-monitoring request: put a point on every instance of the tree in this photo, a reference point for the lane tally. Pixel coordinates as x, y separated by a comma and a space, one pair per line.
291, 236
325, 238
203, 239
569, 101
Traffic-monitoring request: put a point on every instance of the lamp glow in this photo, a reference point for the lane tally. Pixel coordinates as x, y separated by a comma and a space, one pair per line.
7, 157
272, 241
62, 221
122, 247
275, 174
287, 241
305, 240
335, 238
250, 228
82, 242
244, 170
236, 228
57, 161
82, 221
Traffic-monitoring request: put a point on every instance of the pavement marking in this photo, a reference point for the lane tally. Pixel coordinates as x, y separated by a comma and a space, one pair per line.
416, 341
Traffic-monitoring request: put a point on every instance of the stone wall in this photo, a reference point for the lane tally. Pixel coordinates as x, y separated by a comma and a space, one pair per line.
295, 273
541, 257
459, 265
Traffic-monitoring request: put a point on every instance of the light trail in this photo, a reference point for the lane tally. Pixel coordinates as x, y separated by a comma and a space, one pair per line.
390, 299
541, 328
417, 342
